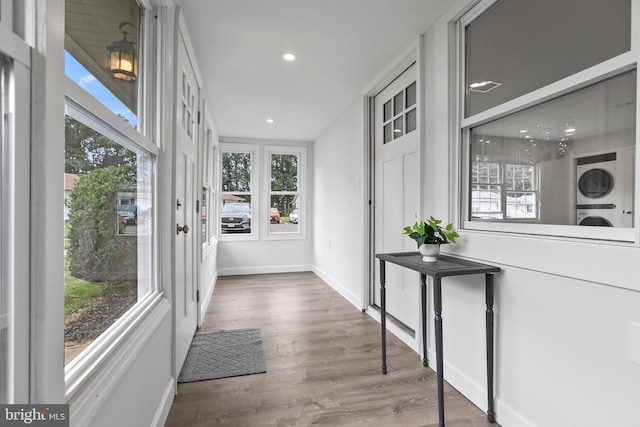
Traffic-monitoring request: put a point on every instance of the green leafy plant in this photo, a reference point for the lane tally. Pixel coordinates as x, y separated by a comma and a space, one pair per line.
431, 232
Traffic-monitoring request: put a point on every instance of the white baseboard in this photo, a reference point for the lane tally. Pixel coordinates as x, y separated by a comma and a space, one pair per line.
346, 293
477, 394
204, 304
264, 270
413, 342
164, 407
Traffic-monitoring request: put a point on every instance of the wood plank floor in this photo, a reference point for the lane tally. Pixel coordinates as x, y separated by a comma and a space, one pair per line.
323, 365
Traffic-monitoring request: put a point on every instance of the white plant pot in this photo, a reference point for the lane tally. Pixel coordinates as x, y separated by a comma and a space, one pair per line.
430, 252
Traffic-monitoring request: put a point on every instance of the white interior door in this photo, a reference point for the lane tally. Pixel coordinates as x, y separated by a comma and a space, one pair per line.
186, 286
397, 192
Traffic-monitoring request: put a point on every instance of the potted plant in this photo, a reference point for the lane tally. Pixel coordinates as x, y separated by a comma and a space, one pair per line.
430, 235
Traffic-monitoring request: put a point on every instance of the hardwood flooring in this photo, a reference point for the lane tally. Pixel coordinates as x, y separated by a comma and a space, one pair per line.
323, 365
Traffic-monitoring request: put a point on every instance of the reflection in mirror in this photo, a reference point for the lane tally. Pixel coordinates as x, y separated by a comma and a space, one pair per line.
568, 161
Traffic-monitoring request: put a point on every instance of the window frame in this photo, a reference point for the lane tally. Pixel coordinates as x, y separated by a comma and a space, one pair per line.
624, 62
301, 152
254, 151
15, 184
209, 177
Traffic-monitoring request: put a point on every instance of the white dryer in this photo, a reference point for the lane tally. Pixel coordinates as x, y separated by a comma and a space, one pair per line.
598, 195
596, 181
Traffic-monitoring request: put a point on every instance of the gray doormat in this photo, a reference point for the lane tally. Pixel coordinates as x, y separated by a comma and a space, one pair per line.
223, 354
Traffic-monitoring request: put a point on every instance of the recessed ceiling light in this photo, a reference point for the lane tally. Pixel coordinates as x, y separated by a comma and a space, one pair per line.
270, 120
289, 56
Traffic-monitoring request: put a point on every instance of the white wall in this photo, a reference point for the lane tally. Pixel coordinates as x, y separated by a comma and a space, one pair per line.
145, 391
208, 277
338, 244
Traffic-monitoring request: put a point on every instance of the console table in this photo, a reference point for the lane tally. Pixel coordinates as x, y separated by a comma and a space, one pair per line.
445, 266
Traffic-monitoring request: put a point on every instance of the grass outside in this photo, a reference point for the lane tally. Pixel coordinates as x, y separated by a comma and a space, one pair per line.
79, 294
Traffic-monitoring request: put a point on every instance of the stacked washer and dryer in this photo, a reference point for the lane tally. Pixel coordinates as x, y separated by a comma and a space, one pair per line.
601, 191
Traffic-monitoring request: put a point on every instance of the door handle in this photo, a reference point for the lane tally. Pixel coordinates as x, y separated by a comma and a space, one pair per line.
185, 229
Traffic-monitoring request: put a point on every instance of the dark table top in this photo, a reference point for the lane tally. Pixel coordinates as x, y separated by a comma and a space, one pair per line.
446, 265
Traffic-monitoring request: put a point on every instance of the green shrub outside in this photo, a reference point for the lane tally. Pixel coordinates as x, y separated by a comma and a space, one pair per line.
96, 251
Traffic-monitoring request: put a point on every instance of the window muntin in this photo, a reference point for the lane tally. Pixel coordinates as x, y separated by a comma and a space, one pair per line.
399, 114
236, 195
91, 27
284, 194
544, 144
508, 53
108, 231
503, 191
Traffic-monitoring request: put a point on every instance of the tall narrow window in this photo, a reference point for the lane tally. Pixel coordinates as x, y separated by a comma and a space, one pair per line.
208, 189
108, 232
109, 177
284, 193
236, 196
4, 282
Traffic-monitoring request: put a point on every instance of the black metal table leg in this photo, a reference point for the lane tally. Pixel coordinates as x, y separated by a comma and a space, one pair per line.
489, 289
423, 316
437, 308
383, 316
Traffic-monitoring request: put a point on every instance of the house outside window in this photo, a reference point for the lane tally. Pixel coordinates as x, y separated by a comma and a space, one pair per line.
536, 120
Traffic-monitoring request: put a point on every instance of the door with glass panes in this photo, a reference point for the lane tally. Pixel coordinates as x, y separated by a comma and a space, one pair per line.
397, 192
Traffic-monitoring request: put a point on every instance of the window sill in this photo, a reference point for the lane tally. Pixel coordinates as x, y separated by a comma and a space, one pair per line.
92, 375
606, 263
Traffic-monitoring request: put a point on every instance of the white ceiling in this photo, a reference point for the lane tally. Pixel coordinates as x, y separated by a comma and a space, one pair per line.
341, 47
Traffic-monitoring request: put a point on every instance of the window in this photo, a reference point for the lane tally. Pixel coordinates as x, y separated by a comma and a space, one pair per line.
529, 143
237, 190
5, 313
15, 184
285, 190
503, 191
101, 52
399, 114
208, 189
109, 177
108, 245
